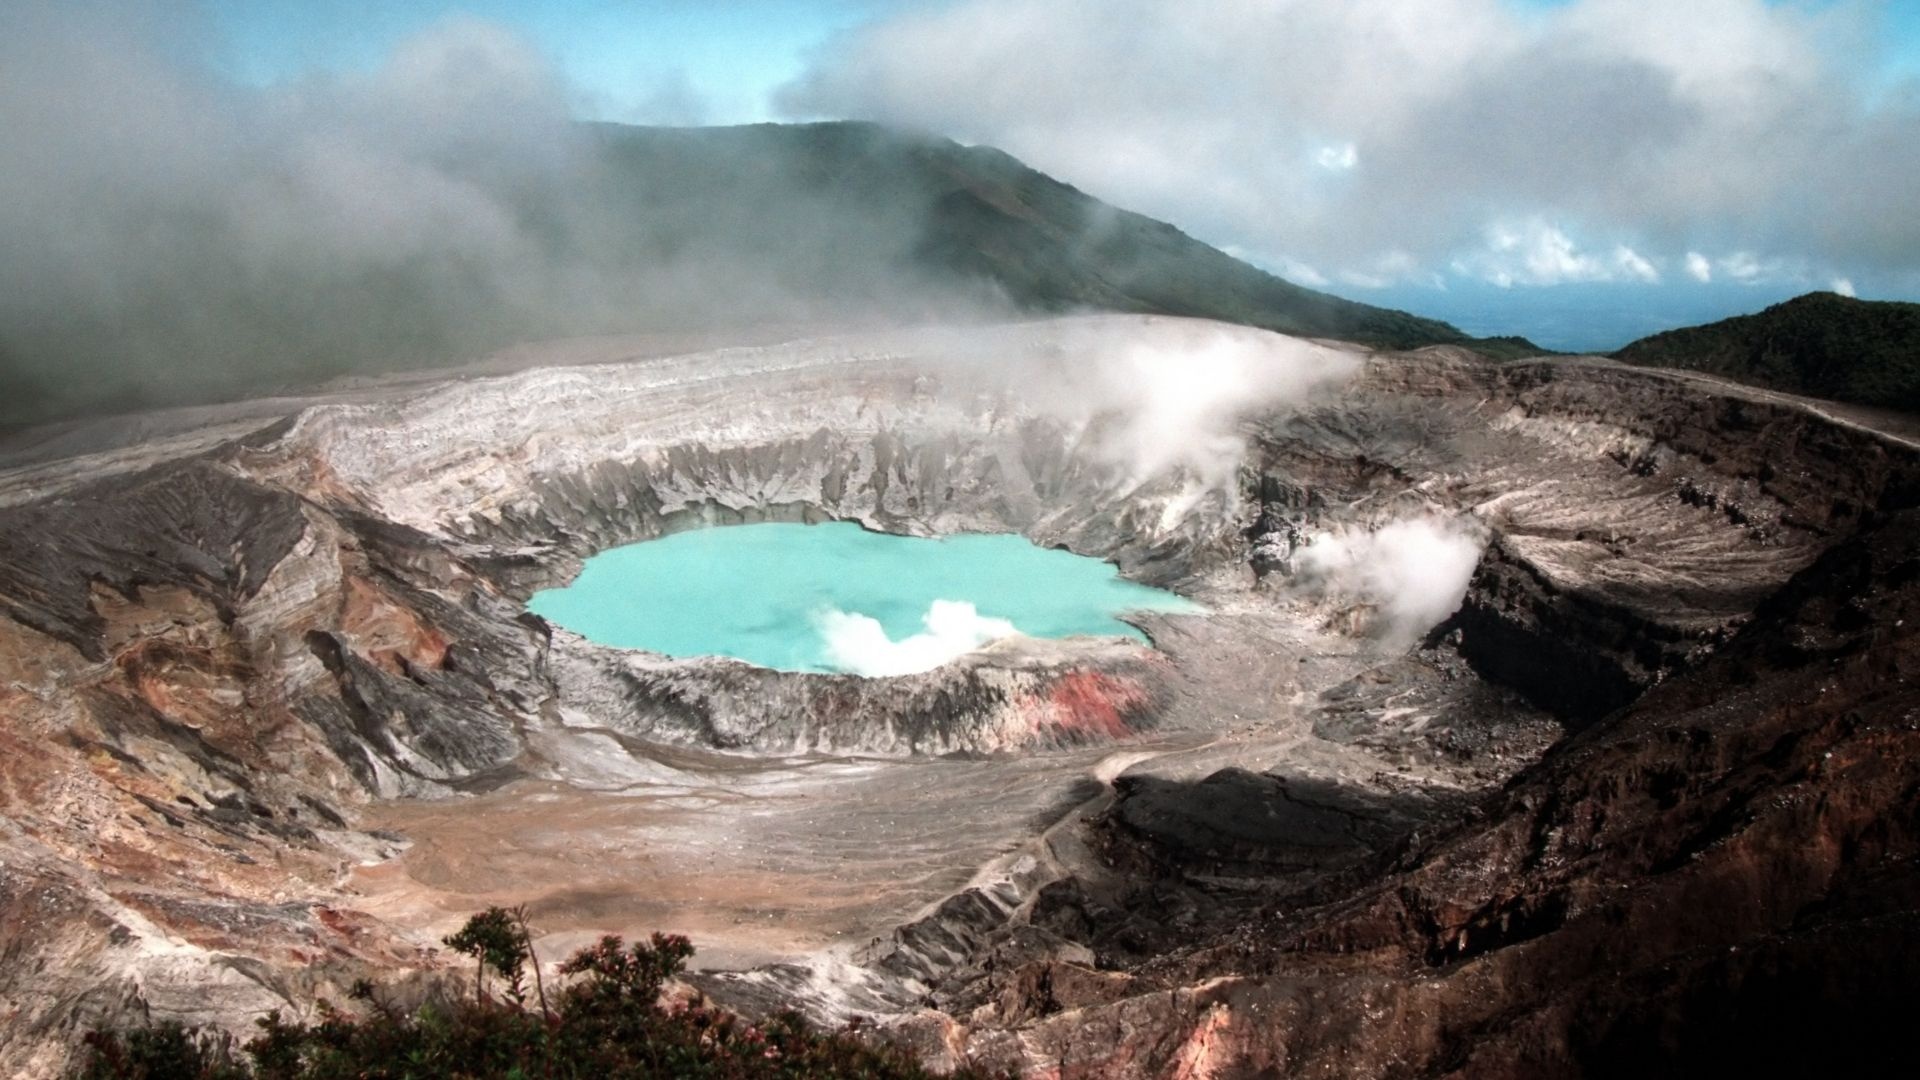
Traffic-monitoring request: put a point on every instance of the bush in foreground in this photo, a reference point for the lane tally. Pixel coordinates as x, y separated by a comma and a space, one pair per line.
606, 1022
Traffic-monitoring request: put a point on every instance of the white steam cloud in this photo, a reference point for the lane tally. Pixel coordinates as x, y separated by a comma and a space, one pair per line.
1179, 399
858, 645
1414, 571
1167, 397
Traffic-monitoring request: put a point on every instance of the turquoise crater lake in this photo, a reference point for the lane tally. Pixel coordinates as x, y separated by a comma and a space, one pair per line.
837, 597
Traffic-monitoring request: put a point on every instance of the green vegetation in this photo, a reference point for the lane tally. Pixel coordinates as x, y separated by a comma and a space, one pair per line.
1823, 344
606, 1023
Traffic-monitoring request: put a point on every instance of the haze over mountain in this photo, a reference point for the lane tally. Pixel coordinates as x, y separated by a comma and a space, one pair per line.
1529, 151
1823, 344
625, 228
1598, 158
970, 221
204, 198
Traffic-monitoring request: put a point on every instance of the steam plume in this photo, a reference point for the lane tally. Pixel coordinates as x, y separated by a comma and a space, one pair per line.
1163, 398
1415, 571
859, 645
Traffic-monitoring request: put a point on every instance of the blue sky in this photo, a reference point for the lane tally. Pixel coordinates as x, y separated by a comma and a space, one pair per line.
734, 53
626, 57
1578, 171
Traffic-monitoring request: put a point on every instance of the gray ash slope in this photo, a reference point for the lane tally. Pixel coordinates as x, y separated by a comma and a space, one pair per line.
229, 663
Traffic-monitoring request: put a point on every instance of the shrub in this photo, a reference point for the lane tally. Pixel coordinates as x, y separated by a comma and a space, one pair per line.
608, 1024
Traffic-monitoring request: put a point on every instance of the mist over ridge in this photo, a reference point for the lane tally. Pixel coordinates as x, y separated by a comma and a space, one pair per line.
173, 237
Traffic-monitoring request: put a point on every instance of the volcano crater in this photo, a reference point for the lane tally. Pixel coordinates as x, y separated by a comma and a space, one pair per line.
293, 705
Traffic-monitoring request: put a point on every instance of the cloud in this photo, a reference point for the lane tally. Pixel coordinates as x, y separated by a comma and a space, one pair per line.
1292, 269
1656, 127
1699, 267
858, 645
1392, 268
163, 231
167, 234
1158, 408
1843, 286
1537, 253
673, 100
1749, 268
1743, 266
1302, 274
1630, 265
1169, 396
1337, 158
1414, 571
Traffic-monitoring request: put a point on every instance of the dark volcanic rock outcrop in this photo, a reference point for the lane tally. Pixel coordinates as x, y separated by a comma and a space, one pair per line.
1724, 877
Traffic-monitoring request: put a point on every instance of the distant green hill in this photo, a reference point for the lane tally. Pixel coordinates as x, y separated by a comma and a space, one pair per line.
1822, 344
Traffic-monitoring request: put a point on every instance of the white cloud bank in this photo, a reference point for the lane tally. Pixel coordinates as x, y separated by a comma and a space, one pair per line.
1178, 394
1338, 158
1639, 130
1168, 396
169, 233
858, 645
1537, 253
1414, 571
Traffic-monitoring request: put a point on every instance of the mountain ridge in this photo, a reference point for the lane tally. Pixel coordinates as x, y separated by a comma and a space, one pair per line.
657, 230
1822, 344
1045, 244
